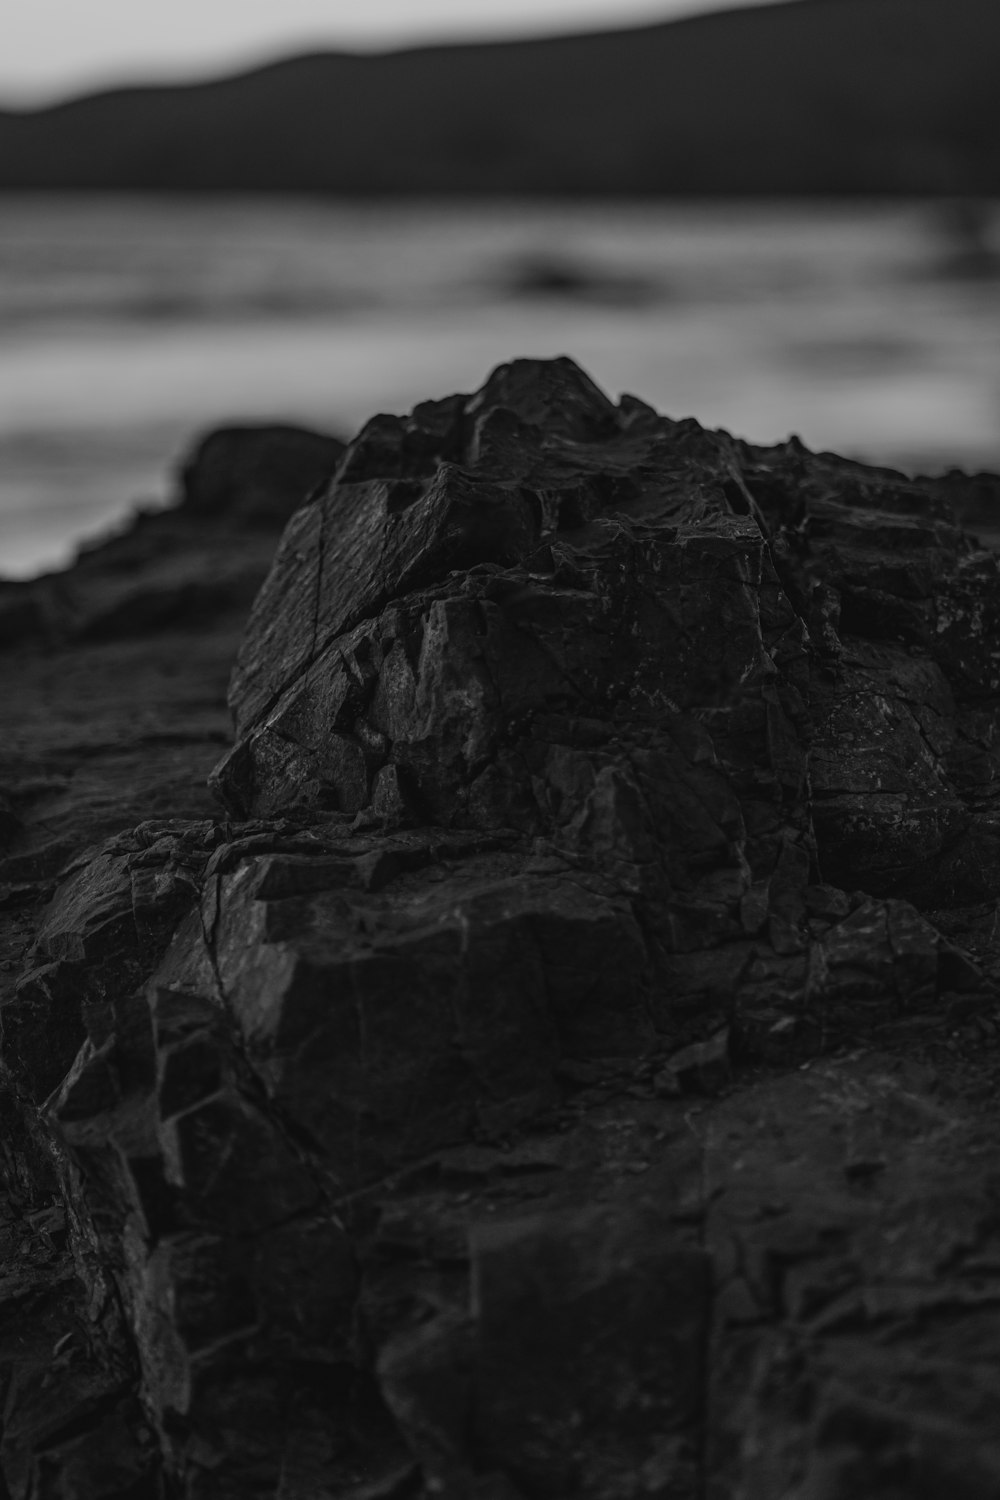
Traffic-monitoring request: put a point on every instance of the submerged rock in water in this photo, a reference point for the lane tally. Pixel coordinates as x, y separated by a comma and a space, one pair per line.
553, 275
467, 1112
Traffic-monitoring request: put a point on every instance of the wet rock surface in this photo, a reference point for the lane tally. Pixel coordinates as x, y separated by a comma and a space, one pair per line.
562, 1062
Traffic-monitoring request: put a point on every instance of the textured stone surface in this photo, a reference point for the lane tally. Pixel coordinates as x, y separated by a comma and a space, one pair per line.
567, 1067
724, 677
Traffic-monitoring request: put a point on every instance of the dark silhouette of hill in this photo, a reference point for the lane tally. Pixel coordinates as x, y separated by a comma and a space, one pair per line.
820, 96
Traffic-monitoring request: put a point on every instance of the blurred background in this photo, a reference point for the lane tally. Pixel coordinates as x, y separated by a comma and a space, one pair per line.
777, 218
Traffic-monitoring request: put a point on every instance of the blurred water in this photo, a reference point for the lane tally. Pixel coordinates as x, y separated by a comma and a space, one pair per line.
126, 325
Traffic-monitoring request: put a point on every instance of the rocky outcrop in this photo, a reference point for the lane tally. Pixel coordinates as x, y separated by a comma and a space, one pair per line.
190, 564
256, 474
565, 1068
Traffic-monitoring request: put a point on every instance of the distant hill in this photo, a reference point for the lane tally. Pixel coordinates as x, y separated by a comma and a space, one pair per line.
820, 96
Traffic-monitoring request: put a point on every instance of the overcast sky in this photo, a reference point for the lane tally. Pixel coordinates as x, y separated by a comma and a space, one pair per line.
49, 48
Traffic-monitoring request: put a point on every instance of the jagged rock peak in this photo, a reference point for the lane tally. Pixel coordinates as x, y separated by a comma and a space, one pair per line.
484, 575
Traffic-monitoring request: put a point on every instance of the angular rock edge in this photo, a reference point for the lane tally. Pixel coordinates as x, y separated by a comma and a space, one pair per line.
452, 1117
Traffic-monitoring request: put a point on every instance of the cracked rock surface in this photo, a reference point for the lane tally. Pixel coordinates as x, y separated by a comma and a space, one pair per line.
562, 1062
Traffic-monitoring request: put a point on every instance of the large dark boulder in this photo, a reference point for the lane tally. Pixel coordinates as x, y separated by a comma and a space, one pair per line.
530, 1087
256, 474
723, 678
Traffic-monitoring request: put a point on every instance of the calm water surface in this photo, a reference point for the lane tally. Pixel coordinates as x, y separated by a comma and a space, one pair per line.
128, 325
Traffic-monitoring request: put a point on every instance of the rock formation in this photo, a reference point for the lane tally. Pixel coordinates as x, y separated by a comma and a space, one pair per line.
563, 1066
190, 564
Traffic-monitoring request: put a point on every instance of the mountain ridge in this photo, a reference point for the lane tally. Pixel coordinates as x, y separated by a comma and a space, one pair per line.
820, 96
